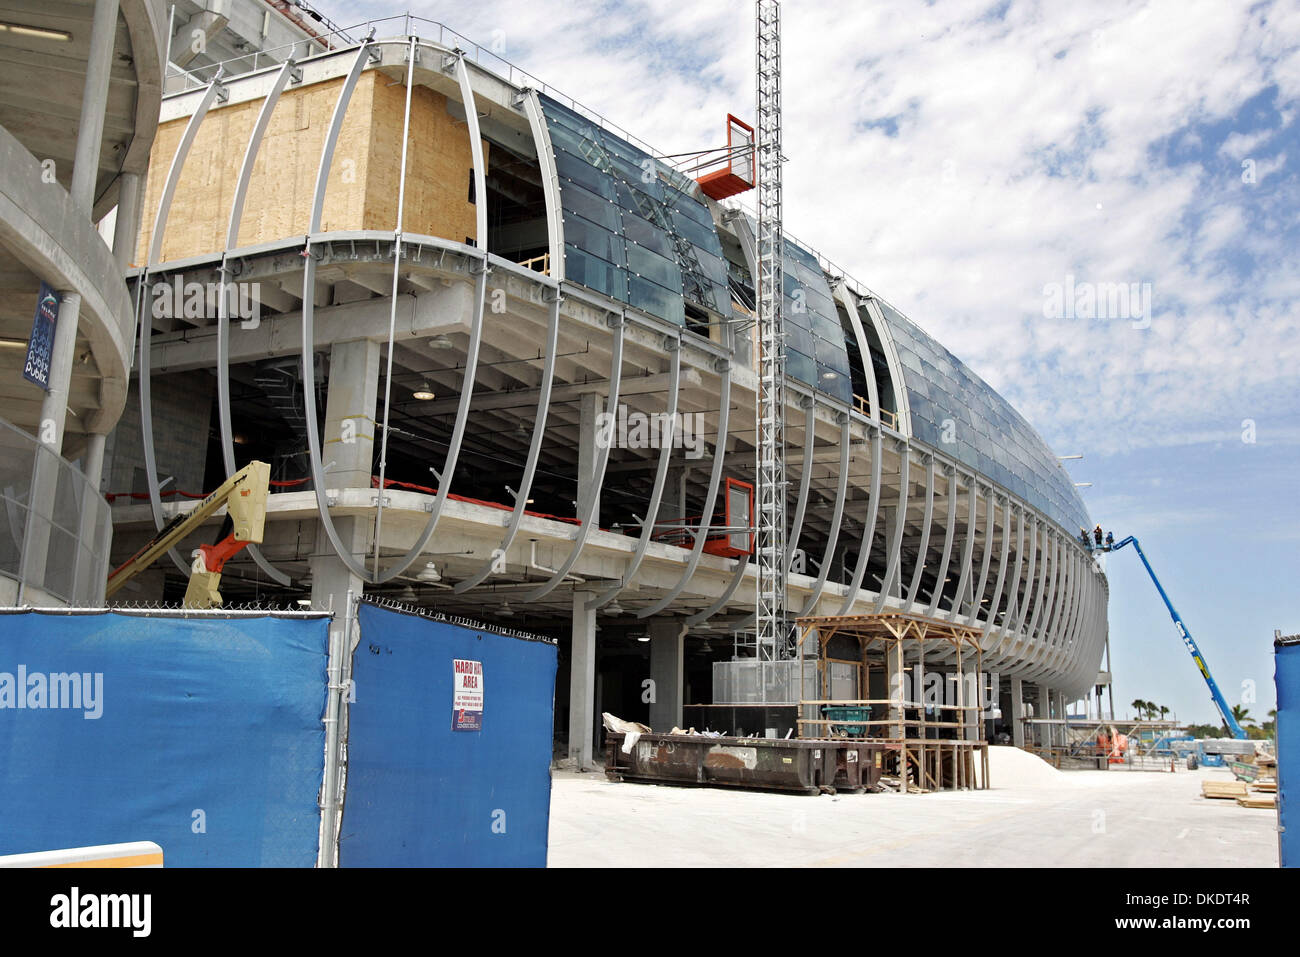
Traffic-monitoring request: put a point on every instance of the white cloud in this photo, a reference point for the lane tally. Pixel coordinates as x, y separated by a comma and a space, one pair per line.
1023, 148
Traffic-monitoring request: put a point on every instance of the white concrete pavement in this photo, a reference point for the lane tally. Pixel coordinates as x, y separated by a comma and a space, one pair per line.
1111, 818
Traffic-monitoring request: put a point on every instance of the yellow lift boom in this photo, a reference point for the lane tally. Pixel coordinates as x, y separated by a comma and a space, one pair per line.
244, 495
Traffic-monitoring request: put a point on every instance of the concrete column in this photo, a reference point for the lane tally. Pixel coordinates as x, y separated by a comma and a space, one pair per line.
126, 229
891, 524
582, 681
49, 433
348, 449
331, 580
349, 436
667, 671
91, 576
1043, 709
1017, 713
94, 97
588, 449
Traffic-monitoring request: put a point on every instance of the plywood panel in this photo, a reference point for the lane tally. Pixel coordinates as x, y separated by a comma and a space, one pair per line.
362, 189
439, 166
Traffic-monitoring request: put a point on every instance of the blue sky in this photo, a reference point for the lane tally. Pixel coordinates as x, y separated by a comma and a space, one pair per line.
958, 158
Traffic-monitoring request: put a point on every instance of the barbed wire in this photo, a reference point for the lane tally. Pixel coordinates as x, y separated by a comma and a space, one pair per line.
168, 609
392, 604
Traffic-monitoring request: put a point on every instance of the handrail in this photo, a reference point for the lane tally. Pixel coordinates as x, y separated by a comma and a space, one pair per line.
863, 405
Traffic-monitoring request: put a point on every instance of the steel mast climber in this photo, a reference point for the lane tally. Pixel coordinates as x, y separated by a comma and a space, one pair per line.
771, 623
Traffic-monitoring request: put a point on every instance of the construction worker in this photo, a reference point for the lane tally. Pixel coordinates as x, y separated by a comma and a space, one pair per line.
1110, 540
1096, 534
1083, 537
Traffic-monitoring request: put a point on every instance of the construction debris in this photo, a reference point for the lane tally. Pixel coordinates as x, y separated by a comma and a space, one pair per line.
631, 730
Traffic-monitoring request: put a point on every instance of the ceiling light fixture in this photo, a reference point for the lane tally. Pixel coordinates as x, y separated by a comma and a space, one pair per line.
424, 393
30, 31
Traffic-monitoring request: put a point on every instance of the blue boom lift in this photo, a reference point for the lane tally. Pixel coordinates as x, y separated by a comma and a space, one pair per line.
1234, 728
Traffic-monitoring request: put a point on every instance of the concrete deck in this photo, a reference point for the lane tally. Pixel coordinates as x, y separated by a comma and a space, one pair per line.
1084, 818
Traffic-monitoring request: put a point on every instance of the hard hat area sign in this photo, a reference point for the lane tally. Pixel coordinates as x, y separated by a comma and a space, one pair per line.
467, 695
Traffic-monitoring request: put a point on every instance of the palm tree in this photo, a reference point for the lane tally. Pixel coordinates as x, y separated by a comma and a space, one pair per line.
1138, 705
1242, 715
1163, 711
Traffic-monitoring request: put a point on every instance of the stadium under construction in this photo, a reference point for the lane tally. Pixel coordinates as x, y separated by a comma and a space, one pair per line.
504, 362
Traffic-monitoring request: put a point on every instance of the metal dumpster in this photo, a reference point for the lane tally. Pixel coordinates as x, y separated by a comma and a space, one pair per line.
799, 765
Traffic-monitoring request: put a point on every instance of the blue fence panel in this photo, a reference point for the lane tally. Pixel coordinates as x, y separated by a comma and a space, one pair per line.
421, 793
1287, 677
203, 735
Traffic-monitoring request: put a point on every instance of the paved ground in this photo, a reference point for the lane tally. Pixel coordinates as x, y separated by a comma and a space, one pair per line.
1085, 818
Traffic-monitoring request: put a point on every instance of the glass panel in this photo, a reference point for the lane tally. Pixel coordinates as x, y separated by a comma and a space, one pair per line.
648, 265
580, 171
642, 233
801, 367
595, 240
595, 273
801, 340
590, 206
657, 301
834, 382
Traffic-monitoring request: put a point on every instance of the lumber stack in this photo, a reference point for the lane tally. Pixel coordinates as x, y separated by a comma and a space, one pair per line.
1258, 800
1224, 790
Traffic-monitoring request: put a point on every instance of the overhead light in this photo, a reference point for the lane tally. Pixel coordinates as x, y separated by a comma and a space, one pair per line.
643, 638
429, 573
830, 375
304, 602
441, 342
614, 608
505, 611
424, 393
29, 31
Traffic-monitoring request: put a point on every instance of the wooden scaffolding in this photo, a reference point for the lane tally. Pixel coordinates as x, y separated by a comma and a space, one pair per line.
936, 739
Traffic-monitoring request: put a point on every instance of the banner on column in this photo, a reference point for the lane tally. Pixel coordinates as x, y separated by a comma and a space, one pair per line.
419, 792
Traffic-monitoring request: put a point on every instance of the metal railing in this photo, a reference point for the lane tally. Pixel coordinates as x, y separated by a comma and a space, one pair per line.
398, 27
55, 527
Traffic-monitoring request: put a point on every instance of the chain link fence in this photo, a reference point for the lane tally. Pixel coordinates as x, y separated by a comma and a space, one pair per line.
55, 527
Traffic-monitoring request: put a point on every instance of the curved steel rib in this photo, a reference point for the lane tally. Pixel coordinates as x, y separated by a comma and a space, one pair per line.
145, 322
223, 320
715, 479
657, 492
590, 514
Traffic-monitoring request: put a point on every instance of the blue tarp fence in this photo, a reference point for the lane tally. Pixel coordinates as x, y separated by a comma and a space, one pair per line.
200, 734
1287, 675
449, 746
